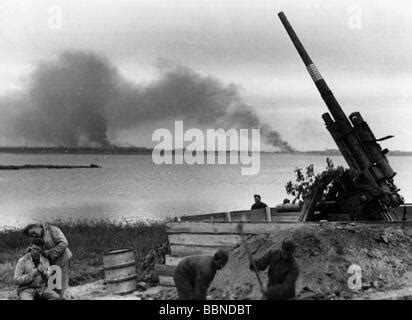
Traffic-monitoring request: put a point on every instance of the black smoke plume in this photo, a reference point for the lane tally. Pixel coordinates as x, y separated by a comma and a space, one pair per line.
67, 100
79, 98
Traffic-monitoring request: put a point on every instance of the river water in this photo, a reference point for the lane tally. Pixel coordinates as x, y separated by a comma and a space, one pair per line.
133, 187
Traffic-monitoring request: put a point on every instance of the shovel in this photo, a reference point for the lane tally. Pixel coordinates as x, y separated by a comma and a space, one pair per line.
249, 254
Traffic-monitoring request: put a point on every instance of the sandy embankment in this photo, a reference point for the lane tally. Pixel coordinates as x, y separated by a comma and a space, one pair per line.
324, 254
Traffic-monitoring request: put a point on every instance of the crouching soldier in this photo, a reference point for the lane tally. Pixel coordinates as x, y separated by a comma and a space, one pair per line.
283, 272
56, 249
31, 274
194, 274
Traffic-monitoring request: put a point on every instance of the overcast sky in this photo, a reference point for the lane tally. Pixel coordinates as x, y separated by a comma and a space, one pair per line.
367, 63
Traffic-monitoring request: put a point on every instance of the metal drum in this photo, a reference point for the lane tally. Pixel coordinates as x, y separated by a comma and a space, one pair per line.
120, 271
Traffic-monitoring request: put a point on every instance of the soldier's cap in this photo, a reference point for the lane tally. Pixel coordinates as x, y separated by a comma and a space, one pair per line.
288, 246
221, 255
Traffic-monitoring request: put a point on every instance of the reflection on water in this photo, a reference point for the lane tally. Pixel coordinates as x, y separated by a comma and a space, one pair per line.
129, 186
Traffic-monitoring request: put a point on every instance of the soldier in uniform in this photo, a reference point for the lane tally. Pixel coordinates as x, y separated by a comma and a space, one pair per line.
31, 274
194, 274
55, 249
283, 272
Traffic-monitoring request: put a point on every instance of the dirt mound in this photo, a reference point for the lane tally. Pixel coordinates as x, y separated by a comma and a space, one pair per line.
324, 254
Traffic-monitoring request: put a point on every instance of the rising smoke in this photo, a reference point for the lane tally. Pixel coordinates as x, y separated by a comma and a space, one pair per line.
76, 99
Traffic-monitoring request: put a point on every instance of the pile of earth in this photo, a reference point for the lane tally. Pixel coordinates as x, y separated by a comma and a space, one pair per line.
324, 253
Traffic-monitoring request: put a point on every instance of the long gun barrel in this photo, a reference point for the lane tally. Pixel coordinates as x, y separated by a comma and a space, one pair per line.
320, 83
353, 137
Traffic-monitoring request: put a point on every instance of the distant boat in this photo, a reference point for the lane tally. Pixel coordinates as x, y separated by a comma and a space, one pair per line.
47, 166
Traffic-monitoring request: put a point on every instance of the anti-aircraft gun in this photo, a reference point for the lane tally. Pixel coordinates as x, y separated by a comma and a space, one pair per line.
369, 192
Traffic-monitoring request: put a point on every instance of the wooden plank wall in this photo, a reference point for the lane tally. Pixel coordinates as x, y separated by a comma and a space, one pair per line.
208, 233
200, 237
277, 213
404, 210
259, 215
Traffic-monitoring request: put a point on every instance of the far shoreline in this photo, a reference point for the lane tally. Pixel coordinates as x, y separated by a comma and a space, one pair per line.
116, 150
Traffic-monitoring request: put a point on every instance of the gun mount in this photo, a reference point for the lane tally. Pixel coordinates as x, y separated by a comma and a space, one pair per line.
371, 193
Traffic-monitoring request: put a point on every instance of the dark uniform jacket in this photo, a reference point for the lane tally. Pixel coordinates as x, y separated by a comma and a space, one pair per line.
193, 275
259, 205
282, 274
